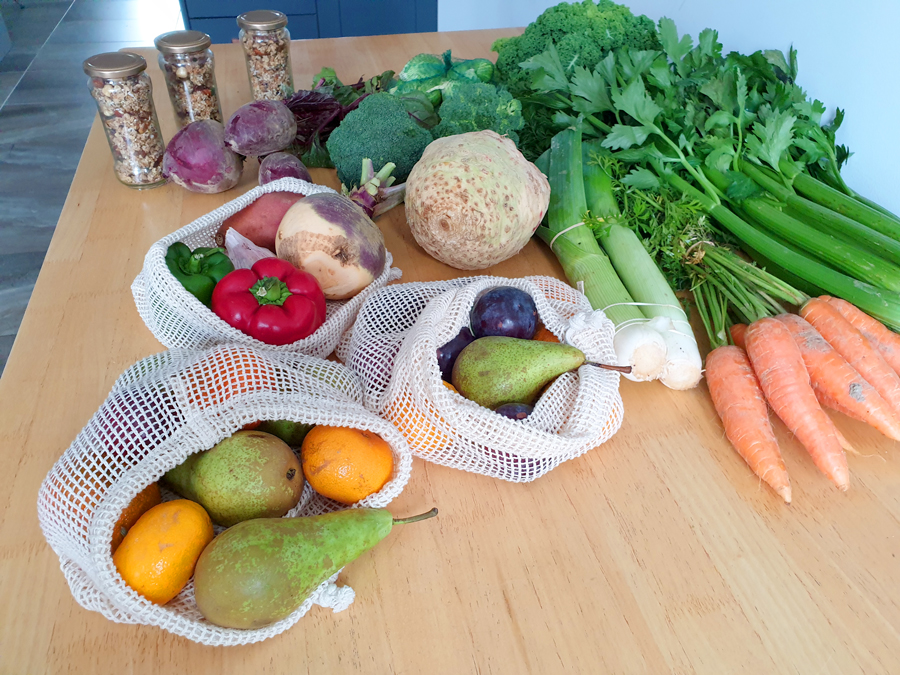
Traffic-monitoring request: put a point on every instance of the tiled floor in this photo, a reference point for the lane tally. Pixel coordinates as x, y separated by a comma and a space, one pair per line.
45, 116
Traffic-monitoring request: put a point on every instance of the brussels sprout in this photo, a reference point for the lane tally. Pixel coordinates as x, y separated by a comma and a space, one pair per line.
422, 67
472, 70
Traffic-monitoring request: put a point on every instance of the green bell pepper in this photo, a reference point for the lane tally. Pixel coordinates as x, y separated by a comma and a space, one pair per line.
199, 270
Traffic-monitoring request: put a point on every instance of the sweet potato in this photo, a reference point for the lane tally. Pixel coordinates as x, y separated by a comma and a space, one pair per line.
259, 222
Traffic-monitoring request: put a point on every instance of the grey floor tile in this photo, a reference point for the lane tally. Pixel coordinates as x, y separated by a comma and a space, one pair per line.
31, 196
31, 26
93, 30
16, 239
17, 60
8, 81
46, 86
57, 56
23, 123
6, 343
14, 300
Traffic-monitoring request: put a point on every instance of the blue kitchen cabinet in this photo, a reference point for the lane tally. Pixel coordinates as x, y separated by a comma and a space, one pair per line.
316, 18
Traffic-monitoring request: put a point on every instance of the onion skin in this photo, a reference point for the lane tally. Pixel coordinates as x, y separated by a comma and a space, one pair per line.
332, 238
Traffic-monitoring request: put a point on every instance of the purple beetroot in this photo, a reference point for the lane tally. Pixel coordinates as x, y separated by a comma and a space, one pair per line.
282, 165
197, 159
260, 128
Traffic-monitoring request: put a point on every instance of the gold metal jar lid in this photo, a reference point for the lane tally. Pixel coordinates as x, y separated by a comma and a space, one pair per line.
114, 65
262, 19
182, 42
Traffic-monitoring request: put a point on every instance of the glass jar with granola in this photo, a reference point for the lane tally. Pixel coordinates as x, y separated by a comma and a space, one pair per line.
190, 71
267, 50
121, 88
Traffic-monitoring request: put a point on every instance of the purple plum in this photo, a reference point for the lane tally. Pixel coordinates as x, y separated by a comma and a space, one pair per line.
515, 411
260, 128
446, 354
282, 165
504, 311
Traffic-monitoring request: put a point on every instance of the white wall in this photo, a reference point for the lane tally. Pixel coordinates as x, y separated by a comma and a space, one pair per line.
849, 56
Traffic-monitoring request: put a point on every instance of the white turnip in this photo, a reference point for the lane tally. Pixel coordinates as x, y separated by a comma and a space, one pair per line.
332, 238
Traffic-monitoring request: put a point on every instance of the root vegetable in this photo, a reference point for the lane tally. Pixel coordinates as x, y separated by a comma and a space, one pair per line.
282, 165
473, 200
886, 341
259, 222
197, 159
260, 128
331, 237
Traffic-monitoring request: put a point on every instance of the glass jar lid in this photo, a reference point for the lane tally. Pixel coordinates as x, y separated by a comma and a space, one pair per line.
114, 65
182, 42
262, 19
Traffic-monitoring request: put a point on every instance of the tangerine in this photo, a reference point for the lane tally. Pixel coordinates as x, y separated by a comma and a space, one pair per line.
420, 433
143, 501
345, 464
158, 555
544, 335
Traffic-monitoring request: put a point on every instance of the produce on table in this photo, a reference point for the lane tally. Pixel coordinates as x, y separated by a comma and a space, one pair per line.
850, 344
282, 165
473, 200
836, 383
273, 302
417, 426
783, 377
260, 127
331, 238
448, 353
505, 311
158, 555
739, 401
260, 571
493, 371
468, 106
288, 431
243, 253
346, 465
250, 474
197, 158
885, 341
472, 70
544, 335
260, 220
199, 270
145, 500
380, 130
742, 126
514, 411
376, 193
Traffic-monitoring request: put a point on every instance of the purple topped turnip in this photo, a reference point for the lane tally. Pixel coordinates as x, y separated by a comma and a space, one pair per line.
197, 159
333, 239
282, 165
260, 128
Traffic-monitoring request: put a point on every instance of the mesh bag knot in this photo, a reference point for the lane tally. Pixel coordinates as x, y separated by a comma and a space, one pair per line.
163, 409
393, 349
180, 321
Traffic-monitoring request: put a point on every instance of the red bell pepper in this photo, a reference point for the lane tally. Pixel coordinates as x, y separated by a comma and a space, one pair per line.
272, 301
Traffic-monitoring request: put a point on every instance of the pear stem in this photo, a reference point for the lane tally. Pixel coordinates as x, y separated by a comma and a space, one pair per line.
413, 519
606, 366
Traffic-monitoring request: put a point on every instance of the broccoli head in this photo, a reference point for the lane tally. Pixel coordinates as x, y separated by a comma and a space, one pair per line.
583, 33
470, 106
380, 129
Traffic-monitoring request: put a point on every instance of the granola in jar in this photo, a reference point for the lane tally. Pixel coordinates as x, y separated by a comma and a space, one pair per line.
189, 68
267, 51
124, 98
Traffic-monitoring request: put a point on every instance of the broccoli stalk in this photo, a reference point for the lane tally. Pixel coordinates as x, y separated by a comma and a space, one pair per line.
376, 192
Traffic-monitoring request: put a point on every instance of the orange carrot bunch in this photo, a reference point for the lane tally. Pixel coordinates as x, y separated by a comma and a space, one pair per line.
833, 355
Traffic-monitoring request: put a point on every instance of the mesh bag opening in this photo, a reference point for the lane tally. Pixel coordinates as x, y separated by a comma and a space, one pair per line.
393, 349
180, 321
163, 409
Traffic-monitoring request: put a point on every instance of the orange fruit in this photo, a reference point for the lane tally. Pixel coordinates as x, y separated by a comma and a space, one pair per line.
418, 432
227, 373
344, 464
145, 500
544, 335
158, 555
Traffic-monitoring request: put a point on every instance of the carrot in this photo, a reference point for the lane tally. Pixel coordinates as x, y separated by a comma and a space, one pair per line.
778, 364
836, 382
884, 340
738, 332
739, 402
849, 343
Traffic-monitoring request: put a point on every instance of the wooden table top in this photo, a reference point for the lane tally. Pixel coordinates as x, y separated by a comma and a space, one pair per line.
658, 552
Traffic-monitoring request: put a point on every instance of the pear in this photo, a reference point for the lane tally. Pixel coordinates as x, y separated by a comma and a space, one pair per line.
493, 371
260, 571
250, 474
289, 431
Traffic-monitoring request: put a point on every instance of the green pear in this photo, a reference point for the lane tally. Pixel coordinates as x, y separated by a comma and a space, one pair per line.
289, 431
495, 370
251, 474
259, 571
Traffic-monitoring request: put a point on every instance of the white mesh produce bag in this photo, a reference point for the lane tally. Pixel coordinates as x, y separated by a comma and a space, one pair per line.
393, 348
181, 321
160, 411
